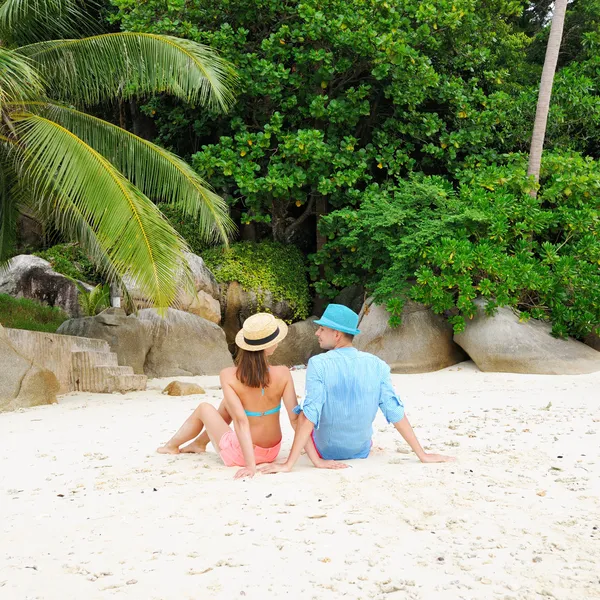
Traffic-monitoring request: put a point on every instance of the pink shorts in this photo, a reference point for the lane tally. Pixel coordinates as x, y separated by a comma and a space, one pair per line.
231, 451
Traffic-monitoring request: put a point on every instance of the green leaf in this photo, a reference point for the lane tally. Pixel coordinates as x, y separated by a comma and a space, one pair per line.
18, 78
23, 21
99, 68
157, 172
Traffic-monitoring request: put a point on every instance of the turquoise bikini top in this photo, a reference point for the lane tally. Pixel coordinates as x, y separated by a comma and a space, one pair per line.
271, 411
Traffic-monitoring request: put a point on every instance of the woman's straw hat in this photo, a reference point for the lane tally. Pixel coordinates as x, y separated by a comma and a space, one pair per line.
261, 331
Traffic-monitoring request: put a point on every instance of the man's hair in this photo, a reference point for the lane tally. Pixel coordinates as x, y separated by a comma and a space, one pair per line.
252, 368
349, 336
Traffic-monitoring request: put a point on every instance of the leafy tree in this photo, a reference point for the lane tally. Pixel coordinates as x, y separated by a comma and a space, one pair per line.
337, 95
93, 180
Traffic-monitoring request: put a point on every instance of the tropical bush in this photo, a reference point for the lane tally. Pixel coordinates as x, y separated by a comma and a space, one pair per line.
94, 301
266, 266
72, 261
489, 238
22, 313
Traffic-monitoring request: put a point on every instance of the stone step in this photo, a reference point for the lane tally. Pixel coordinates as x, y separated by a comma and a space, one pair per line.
108, 379
88, 359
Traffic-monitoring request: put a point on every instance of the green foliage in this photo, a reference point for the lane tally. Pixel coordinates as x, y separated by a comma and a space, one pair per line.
336, 95
491, 239
186, 227
266, 266
540, 255
382, 242
94, 301
22, 313
72, 261
388, 116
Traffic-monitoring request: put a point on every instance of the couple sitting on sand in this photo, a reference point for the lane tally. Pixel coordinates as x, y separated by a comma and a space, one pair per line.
344, 389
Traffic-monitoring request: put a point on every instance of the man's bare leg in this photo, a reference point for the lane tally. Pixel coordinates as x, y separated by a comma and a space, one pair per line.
206, 415
199, 444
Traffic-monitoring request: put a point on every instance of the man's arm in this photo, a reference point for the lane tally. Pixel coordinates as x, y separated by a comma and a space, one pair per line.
393, 409
290, 401
302, 439
407, 432
313, 404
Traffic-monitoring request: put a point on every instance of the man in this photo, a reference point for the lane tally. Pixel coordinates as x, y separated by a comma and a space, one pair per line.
344, 389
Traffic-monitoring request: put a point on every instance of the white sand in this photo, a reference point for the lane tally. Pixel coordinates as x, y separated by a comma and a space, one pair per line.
90, 511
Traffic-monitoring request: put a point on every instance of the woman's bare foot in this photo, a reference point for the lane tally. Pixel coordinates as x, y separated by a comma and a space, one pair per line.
194, 448
166, 449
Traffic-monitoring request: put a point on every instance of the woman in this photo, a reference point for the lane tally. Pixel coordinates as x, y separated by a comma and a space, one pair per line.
252, 392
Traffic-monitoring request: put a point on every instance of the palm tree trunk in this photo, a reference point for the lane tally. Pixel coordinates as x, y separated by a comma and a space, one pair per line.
543, 105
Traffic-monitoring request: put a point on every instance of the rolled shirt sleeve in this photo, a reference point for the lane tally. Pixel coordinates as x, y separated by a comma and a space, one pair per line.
390, 404
315, 393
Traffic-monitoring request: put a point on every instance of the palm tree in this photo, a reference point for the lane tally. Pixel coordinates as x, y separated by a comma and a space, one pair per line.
543, 105
93, 180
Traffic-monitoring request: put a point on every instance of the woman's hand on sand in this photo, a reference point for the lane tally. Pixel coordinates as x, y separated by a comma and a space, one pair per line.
331, 464
245, 472
275, 468
436, 458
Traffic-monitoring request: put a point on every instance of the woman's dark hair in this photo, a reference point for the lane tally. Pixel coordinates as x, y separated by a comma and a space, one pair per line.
252, 368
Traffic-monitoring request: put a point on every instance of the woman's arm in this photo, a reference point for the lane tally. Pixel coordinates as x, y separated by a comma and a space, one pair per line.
290, 400
240, 424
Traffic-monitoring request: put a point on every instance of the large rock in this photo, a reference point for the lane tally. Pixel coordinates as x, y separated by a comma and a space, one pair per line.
184, 344
502, 343
299, 345
29, 276
200, 297
421, 344
353, 297
127, 336
239, 304
23, 383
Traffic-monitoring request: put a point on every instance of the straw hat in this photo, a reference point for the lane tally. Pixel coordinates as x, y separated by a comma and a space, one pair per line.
261, 331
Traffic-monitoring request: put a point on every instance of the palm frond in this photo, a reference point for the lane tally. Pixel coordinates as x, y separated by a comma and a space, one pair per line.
127, 226
25, 21
18, 79
157, 172
88, 71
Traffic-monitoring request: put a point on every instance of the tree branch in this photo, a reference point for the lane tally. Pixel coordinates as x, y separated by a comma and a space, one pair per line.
291, 228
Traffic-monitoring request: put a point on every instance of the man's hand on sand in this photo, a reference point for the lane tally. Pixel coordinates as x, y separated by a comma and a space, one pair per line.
436, 458
245, 472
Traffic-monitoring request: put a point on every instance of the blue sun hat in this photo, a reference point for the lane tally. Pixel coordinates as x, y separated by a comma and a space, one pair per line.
340, 318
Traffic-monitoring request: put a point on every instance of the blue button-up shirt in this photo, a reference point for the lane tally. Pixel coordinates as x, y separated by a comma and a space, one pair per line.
344, 389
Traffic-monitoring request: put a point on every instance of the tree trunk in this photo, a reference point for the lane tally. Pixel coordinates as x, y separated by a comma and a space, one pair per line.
543, 105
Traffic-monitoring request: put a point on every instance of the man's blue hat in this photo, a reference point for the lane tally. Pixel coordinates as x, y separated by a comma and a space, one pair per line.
340, 318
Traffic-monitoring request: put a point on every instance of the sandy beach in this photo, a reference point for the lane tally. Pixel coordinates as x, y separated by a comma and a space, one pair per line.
89, 510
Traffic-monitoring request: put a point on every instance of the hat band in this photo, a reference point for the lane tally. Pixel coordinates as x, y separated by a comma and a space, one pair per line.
261, 341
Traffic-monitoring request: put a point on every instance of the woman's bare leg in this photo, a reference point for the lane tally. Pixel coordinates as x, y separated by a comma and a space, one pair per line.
199, 444
206, 415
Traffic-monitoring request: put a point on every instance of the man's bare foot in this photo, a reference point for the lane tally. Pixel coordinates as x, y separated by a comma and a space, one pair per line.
166, 449
194, 448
